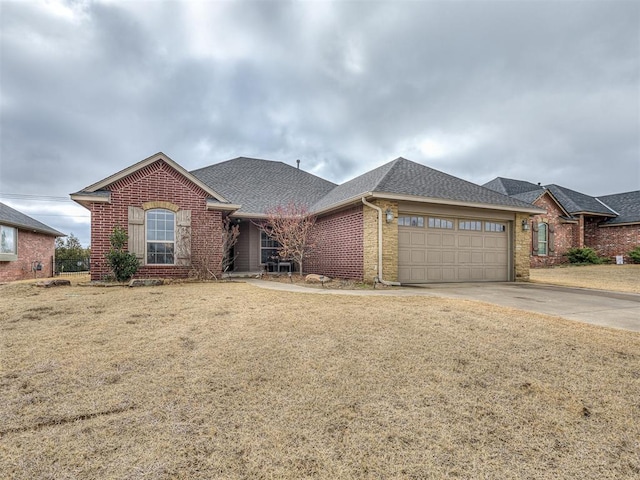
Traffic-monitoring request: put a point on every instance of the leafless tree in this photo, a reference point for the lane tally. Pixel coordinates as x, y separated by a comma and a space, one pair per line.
290, 225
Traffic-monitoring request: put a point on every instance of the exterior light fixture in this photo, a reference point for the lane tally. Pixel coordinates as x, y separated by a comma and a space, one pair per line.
389, 215
525, 225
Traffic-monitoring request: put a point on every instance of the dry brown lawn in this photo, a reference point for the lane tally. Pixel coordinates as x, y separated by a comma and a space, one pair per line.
620, 278
224, 380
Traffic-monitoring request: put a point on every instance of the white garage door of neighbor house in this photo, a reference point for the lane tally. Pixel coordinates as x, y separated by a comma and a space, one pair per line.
435, 249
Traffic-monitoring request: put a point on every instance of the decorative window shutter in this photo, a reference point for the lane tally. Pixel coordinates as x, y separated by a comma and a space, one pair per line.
136, 231
534, 238
183, 238
550, 240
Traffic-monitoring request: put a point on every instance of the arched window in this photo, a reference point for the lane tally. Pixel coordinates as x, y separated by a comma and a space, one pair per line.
160, 236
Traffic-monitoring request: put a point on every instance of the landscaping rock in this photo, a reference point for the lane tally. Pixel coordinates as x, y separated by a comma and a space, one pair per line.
313, 278
54, 283
146, 282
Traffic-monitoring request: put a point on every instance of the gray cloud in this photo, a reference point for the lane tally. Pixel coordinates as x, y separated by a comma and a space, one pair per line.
542, 91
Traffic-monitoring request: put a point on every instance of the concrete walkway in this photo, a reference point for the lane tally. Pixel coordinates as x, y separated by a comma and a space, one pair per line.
609, 309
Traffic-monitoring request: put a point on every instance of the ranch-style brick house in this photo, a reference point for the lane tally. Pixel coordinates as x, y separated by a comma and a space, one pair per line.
27, 246
609, 224
401, 222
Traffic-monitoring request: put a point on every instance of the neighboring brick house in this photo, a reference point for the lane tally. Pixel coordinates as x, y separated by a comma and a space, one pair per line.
609, 224
401, 222
27, 247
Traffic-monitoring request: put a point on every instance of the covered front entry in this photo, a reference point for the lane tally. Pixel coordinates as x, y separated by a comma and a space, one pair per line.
446, 248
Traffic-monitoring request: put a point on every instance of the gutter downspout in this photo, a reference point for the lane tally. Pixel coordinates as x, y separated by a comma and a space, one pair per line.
379, 277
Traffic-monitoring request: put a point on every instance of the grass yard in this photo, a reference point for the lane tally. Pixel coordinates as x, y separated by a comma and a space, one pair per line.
224, 380
620, 278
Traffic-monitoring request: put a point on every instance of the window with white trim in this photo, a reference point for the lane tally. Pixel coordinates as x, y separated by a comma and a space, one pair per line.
160, 236
8, 243
543, 238
435, 222
470, 225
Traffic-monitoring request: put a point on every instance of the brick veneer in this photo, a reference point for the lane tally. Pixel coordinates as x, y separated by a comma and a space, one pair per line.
522, 248
565, 234
389, 242
32, 247
611, 241
338, 240
157, 182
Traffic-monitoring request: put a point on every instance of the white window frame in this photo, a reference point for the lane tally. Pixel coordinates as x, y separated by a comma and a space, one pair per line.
7, 255
147, 241
265, 236
543, 239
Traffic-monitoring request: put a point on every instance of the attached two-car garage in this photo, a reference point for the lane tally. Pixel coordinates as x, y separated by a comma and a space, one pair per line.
440, 247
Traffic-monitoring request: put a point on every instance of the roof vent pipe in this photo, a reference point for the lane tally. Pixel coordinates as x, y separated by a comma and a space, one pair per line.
298, 162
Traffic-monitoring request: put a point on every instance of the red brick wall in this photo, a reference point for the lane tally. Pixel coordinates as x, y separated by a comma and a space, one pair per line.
339, 251
611, 241
156, 182
31, 247
565, 234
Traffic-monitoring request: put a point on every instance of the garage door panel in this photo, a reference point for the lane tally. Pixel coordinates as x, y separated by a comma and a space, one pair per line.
448, 240
417, 256
434, 239
445, 255
417, 238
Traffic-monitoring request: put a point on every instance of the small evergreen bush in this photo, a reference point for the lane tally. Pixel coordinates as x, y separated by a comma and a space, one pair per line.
124, 264
635, 254
584, 256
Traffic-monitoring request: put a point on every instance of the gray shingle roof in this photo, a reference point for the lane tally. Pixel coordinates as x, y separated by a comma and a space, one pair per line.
529, 197
576, 202
627, 205
511, 187
14, 218
259, 185
404, 177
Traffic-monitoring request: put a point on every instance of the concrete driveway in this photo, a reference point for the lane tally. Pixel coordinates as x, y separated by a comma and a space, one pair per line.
609, 309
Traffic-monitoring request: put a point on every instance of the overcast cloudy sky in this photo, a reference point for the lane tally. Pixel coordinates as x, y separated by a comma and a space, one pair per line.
542, 91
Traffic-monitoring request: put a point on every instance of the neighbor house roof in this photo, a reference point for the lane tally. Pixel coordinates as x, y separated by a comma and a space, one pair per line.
511, 187
402, 178
626, 205
13, 218
259, 185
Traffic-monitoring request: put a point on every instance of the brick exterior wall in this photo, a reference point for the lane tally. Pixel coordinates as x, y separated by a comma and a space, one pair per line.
521, 249
565, 235
606, 241
32, 247
157, 182
389, 242
338, 239
611, 241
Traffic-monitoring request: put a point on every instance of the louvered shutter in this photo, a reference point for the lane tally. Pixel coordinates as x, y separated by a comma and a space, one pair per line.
550, 240
183, 238
136, 232
534, 238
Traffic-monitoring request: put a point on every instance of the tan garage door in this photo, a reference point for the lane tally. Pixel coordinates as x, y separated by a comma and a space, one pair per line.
440, 249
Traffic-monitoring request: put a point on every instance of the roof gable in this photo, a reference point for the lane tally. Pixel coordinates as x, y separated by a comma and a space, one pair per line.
102, 184
12, 217
576, 202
